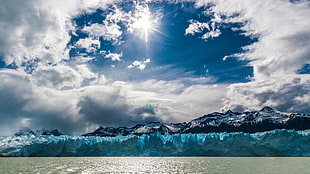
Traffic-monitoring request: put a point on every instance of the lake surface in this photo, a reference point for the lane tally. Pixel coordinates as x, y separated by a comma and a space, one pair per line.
96, 165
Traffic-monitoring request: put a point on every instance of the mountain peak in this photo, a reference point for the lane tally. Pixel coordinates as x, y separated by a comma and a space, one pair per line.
24, 131
54, 132
229, 112
267, 109
27, 131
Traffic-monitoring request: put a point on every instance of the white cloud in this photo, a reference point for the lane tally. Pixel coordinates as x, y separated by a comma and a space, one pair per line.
282, 48
211, 34
197, 100
37, 29
139, 64
196, 27
62, 76
85, 71
114, 56
108, 30
32, 29
199, 27
173, 101
59, 77
91, 45
283, 33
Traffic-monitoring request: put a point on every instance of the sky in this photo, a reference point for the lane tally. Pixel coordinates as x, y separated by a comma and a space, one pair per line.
76, 65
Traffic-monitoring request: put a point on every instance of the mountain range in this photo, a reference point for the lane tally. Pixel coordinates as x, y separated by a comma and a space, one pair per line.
266, 119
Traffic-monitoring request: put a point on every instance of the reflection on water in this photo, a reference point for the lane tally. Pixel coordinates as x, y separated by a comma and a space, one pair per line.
154, 165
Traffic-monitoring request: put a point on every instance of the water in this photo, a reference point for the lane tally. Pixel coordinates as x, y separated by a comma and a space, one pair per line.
64, 165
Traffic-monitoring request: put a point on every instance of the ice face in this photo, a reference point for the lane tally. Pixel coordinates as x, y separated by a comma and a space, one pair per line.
271, 143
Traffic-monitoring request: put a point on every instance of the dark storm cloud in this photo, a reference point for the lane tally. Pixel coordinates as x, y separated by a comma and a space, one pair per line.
24, 105
13, 97
238, 108
113, 110
287, 94
65, 123
289, 98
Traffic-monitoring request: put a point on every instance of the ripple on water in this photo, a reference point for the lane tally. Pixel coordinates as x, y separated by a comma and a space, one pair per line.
153, 165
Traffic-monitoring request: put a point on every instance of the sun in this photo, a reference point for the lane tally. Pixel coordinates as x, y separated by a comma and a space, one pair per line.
142, 22
144, 25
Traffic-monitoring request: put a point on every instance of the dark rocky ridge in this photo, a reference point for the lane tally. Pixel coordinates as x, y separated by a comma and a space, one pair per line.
27, 131
248, 122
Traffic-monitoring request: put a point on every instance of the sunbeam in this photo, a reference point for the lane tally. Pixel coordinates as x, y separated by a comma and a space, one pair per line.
143, 23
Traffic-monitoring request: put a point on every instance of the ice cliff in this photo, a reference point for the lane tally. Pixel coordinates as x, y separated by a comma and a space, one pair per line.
269, 143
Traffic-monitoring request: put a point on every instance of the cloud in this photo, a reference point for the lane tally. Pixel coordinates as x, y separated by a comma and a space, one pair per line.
49, 108
64, 93
48, 104
199, 27
289, 94
61, 76
12, 99
37, 107
39, 30
73, 111
108, 106
91, 45
139, 64
111, 28
281, 50
26, 104
282, 45
196, 27
54, 93
173, 101
108, 30
114, 56
211, 34
197, 100
29, 30
78, 110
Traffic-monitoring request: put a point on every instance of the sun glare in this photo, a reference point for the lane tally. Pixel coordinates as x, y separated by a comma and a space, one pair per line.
143, 22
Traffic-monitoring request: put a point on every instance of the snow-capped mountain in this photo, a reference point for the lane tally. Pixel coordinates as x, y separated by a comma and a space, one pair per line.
139, 129
265, 119
248, 122
28, 131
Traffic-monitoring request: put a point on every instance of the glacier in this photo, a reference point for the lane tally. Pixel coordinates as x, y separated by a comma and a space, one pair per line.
280, 142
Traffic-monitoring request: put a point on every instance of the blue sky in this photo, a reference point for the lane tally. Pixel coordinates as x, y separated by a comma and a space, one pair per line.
77, 65
187, 55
